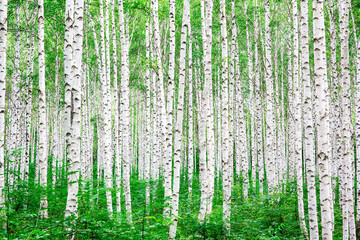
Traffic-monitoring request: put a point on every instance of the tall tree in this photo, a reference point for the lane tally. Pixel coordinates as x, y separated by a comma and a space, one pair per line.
347, 129
125, 109
116, 113
169, 110
75, 107
322, 105
270, 113
179, 120
106, 103
225, 141
309, 147
297, 116
43, 134
206, 119
3, 47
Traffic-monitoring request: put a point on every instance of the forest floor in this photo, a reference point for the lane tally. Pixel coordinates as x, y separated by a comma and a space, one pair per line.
257, 217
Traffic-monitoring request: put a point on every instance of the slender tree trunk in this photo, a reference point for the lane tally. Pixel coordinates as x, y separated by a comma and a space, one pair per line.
68, 55
106, 97
240, 122
191, 155
169, 112
251, 104
179, 121
297, 115
322, 105
259, 113
75, 113
43, 139
148, 142
3, 48
116, 113
334, 121
309, 148
28, 106
225, 141
125, 108
347, 130
270, 147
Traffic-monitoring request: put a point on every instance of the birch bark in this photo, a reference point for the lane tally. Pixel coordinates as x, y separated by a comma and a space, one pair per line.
191, 113
106, 97
346, 127
169, 111
322, 104
148, 142
298, 114
309, 148
43, 140
179, 121
3, 47
357, 117
116, 113
125, 108
225, 143
270, 148
206, 119
75, 114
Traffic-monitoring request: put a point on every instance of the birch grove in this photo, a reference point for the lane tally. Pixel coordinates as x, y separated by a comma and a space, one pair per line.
179, 119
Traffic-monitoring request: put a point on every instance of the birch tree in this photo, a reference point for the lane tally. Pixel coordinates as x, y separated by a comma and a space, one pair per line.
192, 151
106, 104
169, 111
297, 115
322, 118
3, 47
225, 140
43, 140
206, 123
309, 148
125, 109
116, 112
346, 127
75, 106
179, 121
270, 149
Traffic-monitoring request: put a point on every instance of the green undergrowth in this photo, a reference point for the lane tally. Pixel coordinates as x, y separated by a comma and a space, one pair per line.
256, 217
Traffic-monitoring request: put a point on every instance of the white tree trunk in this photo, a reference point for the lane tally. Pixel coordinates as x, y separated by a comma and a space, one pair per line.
178, 143
3, 47
346, 126
106, 97
148, 142
169, 112
14, 113
43, 135
68, 56
225, 140
298, 121
335, 102
206, 120
28, 102
125, 108
270, 147
251, 104
322, 104
191, 155
357, 123
259, 111
116, 113
309, 147
75, 114
242, 160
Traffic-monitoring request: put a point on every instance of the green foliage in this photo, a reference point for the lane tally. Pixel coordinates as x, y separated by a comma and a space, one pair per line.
256, 217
